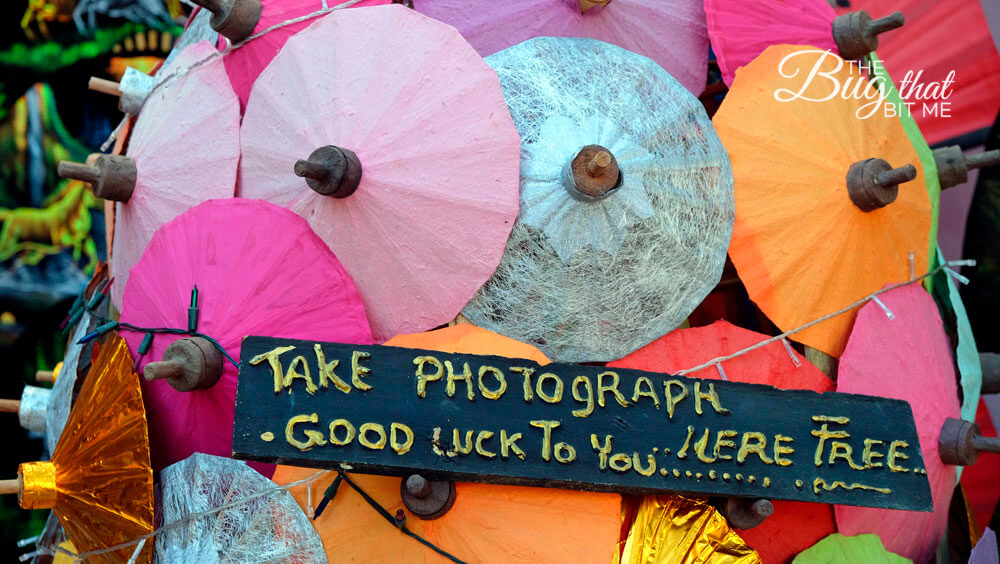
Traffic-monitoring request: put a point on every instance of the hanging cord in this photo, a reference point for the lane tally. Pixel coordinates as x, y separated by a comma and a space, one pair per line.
945, 267
398, 520
107, 325
82, 304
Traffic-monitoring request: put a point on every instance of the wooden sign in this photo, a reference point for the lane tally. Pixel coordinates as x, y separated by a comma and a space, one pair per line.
396, 411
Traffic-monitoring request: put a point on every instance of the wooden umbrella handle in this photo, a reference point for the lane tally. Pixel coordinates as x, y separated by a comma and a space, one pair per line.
856, 33
953, 165
104, 86
595, 171
11, 486
873, 183
10, 405
331, 171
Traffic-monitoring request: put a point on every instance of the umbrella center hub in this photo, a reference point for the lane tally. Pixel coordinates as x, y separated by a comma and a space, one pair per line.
874, 184
38, 485
594, 173
331, 171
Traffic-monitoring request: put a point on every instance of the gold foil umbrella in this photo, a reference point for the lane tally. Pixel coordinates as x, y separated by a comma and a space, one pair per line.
99, 481
679, 530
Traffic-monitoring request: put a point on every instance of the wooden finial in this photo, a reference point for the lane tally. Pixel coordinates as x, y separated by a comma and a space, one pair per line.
331, 171
746, 513
960, 442
104, 86
234, 19
11, 486
112, 176
827, 364
595, 171
425, 498
856, 34
874, 184
953, 166
188, 364
10, 406
586, 5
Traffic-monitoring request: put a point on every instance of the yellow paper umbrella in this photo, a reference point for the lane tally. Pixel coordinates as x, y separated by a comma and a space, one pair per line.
486, 523
830, 193
679, 530
99, 482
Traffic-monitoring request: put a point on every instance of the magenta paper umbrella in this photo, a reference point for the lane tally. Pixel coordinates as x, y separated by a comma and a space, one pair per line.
184, 150
740, 31
671, 32
901, 351
245, 64
395, 142
259, 270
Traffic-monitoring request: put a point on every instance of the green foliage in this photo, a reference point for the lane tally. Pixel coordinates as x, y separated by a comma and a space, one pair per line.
54, 55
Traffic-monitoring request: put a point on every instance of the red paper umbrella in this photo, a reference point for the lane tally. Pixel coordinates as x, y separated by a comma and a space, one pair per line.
259, 270
244, 64
940, 38
794, 526
905, 355
739, 32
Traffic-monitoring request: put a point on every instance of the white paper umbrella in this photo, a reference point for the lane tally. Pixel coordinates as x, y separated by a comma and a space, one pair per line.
399, 111
601, 263
268, 528
184, 150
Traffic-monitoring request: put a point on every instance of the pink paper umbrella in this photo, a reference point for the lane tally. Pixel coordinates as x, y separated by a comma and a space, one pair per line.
260, 270
396, 144
741, 31
184, 150
902, 352
671, 32
246, 63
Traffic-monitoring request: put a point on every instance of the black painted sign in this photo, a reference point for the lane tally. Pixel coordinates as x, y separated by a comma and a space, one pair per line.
389, 410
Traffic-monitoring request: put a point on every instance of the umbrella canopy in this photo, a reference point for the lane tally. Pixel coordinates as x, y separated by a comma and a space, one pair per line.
947, 37
794, 526
906, 357
487, 523
878, 72
970, 370
671, 32
245, 64
60, 401
99, 481
985, 551
183, 150
410, 175
613, 173
259, 270
266, 528
739, 33
803, 244
860, 548
676, 529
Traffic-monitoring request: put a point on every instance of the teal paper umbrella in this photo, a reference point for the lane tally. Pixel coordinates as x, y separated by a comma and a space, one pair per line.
626, 202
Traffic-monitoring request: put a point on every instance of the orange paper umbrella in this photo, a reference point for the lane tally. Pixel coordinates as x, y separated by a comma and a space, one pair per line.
487, 523
794, 526
830, 200
99, 481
